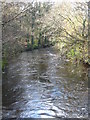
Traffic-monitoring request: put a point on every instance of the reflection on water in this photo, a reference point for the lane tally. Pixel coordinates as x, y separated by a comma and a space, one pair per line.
40, 84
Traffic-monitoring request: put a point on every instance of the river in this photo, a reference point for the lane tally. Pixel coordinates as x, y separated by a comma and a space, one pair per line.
40, 84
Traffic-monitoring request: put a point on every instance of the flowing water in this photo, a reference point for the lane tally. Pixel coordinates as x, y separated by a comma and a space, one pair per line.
39, 84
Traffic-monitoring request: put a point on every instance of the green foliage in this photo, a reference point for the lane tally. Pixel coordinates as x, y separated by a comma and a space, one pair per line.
35, 46
72, 52
3, 63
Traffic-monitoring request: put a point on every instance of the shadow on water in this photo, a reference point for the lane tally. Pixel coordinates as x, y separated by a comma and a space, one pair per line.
40, 84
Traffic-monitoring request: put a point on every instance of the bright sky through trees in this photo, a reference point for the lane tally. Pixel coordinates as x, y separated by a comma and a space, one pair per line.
57, 1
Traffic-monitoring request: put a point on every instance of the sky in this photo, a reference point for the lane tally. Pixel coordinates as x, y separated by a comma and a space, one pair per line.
57, 1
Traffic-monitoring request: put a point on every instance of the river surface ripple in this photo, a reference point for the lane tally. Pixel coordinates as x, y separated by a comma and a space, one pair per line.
39, 84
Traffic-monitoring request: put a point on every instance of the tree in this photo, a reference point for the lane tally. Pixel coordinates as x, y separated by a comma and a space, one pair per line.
69, 28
